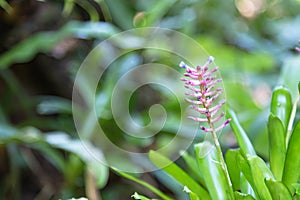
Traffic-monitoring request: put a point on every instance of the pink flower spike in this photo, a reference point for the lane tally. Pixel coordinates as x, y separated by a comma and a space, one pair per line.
207, 130
211, 72
191, 75
193, 102
203, 96
197, 119
198, 109
218, 118
193, 89
197, 95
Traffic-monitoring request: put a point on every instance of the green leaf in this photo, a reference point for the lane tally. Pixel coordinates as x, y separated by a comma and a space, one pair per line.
51, 154
231, 162
193, 167
177, 173
291, 173
139, 197
143, 183
6, 6
158, 10
239, 182
241, 196
192, 195
54, 105
214, 176
278, 190
85, 150
241, 136
277, 149
297, 188
260, 172
281, 105
44, 41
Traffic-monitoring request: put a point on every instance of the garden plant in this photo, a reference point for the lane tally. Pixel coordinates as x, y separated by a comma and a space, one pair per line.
119, 99
241, 174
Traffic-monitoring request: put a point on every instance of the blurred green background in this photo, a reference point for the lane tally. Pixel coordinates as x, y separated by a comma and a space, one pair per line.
44, 42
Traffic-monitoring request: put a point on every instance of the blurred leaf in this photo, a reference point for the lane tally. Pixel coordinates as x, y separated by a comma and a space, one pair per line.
122, 13
278, 190
158, 10
51, 154
94, 17
290, 74
44, 41
6, 6
277, 148
192, 195
193, 166
68, 7
240, 134
235, 59
139, 197
73, 169
177, 173
143, 183
7, 133
291, 173
54, 105
281, 105
214, 176
85, 151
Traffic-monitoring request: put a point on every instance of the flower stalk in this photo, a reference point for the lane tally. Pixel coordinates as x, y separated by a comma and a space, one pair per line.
203, 97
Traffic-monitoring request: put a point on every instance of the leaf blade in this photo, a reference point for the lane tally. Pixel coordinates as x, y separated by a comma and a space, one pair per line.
177, 173
215, 179
277, 149
291, 172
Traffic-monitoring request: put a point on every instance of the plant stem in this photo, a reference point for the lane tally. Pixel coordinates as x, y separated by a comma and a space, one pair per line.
222, 161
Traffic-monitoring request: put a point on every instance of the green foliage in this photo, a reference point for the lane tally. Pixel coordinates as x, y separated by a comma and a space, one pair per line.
177, 173
214, 177
27, 49
143, 183
250, 175
249, 50
277, 146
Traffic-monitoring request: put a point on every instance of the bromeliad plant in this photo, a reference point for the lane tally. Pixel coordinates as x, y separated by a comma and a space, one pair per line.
242, 174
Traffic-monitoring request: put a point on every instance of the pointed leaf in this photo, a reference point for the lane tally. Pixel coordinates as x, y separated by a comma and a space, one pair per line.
281, 105
260, 172
139, 197
246, 170
277, 147
231, 162
193, 166
278, 190
241, 136
291, 173
214, 176
143, 183
177, 173
192, 195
